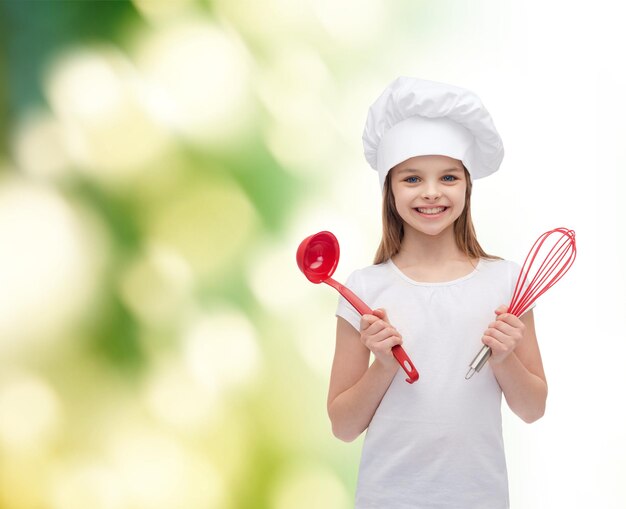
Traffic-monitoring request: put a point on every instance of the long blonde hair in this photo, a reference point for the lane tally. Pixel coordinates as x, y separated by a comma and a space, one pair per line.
393, 227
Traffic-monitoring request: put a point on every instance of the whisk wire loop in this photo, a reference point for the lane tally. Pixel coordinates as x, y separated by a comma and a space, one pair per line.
545, 270
552, 268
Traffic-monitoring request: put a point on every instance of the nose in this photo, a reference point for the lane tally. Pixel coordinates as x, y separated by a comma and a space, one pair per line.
431, 191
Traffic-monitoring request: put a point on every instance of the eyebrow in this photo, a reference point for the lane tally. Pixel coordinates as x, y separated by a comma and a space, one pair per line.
408, 170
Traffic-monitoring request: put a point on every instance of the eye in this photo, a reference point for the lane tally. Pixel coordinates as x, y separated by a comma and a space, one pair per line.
449, 178
411, 180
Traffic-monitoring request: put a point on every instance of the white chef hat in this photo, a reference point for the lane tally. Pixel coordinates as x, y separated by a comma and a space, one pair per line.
415, 117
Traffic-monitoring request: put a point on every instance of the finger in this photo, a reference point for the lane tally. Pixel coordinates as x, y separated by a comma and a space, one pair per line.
495, 345
504, 327
381, 313
389, 343
377, 321
367, 320
511, 320
384, 334
378, 327
492, 343
501, 309
502, 342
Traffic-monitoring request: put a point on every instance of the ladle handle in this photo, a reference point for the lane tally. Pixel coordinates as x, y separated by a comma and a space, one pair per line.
406, 364
363, 309
351, 297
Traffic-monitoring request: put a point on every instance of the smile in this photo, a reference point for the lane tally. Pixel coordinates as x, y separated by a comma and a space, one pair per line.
431, 211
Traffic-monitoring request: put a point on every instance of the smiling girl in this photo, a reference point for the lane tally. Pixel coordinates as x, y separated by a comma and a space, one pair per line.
437, 443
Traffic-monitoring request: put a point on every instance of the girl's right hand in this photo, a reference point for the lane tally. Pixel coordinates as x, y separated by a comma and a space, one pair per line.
380, 337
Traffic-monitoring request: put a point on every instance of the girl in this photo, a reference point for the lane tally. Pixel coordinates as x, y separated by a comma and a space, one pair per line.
436, 443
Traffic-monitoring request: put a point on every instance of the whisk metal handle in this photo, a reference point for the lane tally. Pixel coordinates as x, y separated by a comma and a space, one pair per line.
479, 361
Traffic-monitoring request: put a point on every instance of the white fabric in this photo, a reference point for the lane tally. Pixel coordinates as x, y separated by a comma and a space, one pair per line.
438, 442
436, 136
469, 130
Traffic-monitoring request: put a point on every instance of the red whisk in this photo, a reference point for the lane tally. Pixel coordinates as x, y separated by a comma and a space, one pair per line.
532, 284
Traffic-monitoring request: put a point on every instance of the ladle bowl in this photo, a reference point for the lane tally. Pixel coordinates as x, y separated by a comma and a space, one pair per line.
318, 257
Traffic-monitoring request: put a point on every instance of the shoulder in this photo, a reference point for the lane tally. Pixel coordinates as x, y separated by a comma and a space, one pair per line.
498, 265
368, 274
500, 268
505, 272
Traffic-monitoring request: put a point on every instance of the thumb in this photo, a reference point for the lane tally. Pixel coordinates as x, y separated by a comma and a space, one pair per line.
381, 313
502, 309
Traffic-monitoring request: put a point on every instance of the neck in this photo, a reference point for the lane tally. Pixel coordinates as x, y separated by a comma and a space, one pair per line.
429, 249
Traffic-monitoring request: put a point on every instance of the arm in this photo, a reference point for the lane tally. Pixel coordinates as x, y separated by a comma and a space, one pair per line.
516, 363
355, 389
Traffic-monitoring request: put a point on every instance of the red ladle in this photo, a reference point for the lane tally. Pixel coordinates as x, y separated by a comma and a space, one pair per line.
318, 256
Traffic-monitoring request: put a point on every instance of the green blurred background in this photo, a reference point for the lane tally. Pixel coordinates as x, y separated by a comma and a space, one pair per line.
153, 157
160, 161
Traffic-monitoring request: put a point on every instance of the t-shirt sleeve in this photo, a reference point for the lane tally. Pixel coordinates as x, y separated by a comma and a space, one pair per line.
514, 275
344, 308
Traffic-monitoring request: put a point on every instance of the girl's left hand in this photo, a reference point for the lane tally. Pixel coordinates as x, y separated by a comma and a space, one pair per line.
503, 335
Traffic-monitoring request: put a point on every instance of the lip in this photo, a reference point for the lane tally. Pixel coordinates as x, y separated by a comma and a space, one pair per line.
431, 216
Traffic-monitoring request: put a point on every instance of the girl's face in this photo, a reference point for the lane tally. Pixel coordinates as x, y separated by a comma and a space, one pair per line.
429, 192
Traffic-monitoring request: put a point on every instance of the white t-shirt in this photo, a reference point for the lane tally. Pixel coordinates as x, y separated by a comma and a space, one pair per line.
436, 443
